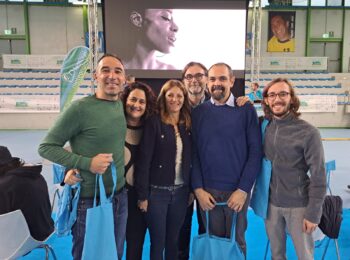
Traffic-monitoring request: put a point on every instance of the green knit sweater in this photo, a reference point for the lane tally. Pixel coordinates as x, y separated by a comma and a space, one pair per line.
91, 126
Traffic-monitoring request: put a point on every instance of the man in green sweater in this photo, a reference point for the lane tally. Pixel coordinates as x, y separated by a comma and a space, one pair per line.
95, 128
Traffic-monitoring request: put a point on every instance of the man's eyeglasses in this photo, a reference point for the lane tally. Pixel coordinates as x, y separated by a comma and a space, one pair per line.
281, 95
197, 76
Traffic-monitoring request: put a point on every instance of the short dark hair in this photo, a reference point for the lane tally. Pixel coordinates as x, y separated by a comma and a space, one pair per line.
223, 64
192, 64
110, 55
255, 84
295, 102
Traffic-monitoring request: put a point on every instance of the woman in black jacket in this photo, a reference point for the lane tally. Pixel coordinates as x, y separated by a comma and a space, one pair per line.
163, 169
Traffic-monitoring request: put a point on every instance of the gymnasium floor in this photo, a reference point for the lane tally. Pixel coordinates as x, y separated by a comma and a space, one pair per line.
24, 144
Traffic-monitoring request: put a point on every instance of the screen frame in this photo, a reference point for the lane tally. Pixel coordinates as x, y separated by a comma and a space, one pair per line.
178, 4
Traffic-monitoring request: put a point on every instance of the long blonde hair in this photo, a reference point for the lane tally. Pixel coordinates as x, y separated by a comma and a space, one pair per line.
185, 112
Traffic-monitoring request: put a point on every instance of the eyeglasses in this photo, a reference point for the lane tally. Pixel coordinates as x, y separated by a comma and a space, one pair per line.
281, 95
197, 76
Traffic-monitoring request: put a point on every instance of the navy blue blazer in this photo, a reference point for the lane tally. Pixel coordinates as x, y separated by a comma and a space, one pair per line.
155, 162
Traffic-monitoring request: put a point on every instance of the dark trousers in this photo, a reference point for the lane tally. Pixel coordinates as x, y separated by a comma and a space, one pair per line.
185, 232
165, 215
220, 219
136, 227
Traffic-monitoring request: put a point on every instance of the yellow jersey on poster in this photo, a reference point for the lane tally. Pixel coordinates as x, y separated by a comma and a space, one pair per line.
274, 45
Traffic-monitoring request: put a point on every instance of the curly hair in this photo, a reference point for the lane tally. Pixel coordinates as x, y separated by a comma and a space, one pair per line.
151, 99
294, 104
185, 112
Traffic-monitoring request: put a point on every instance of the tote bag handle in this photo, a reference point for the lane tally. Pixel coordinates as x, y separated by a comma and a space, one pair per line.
233, 226
99, 182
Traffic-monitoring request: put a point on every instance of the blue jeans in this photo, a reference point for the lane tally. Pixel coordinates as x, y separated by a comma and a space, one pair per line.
165, 215
120, 208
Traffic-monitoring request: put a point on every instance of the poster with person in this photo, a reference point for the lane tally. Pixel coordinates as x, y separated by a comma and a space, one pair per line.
281, 32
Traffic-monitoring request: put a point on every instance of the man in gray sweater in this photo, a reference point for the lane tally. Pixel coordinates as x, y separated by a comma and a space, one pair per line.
298, 180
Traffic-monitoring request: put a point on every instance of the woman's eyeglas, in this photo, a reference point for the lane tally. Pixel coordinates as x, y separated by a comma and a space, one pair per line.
281, 95
197, 76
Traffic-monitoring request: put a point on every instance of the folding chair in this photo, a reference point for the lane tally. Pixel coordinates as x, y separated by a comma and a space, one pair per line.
330, 166
327, 245
15, 238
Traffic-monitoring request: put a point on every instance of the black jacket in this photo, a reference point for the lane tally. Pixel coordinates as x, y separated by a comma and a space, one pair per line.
25, 188
155, 163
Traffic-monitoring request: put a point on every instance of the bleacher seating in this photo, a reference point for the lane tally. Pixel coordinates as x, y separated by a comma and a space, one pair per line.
47, 82
307, 83
24, 91
35, 82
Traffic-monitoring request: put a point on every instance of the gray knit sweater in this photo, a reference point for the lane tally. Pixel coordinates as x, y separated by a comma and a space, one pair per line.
298, 172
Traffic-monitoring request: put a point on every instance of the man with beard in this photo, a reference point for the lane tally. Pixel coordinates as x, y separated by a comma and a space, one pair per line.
195, 78
298, 180
227, 157
95, 127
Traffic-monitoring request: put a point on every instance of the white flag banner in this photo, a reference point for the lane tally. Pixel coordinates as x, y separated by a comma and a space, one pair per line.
318, 103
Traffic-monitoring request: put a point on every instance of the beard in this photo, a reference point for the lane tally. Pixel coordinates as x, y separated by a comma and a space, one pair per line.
218, 92
283, 112
196, 90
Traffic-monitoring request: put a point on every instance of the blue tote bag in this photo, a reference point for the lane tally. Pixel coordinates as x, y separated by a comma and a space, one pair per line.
210, 247
58, 173
99, 241
260, 195
67, 209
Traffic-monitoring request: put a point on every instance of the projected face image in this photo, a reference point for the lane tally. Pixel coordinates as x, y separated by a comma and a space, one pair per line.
163, 36
154, 32
160, 29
